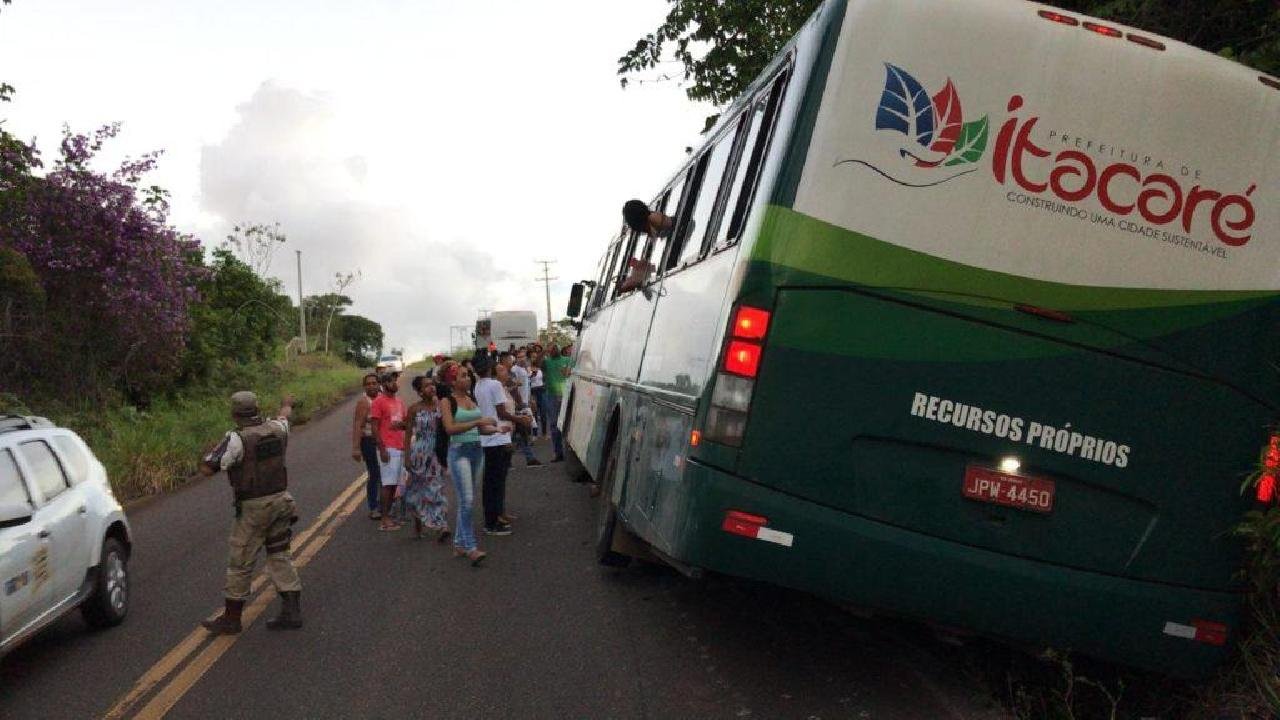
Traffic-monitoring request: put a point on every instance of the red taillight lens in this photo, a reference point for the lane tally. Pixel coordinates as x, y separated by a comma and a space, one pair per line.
1266, 488
1266, 491
1209, 632
1145, 41
1102, 29
737, 522
750, 323
695, 438
1058, 17
742, 358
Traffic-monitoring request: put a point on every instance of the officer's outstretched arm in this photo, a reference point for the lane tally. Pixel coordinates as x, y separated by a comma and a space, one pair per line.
211, 463
286, 407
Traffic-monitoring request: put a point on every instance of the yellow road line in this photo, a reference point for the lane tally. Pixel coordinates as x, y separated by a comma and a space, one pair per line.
181, 683
172, 659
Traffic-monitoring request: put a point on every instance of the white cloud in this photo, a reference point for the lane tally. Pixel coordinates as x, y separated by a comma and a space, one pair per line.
284, 162
441, 147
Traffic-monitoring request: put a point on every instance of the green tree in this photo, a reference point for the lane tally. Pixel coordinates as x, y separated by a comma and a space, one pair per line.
723, 44
320, 309
22, 301
361, 339
241, 319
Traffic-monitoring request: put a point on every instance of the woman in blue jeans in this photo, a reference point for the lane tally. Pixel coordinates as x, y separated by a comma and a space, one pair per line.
462, 420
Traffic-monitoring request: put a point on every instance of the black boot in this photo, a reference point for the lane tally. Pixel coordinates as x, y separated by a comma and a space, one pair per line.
290, 617
228, 623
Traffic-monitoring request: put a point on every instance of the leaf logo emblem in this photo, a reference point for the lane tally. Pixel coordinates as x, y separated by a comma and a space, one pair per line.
905, 106
935, 125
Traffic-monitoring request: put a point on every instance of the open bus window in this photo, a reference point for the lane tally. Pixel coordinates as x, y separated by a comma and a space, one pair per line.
740, 172
623, 264
763, 118
643, 271
677, 208
698, 218
601, 290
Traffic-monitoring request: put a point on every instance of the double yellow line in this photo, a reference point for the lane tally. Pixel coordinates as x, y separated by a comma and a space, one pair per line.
211, 647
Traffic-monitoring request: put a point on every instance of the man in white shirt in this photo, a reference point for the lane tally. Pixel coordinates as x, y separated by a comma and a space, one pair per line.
492, 399
521, 391
537, 389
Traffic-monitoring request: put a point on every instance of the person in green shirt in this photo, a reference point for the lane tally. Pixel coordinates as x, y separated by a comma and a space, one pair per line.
555, 369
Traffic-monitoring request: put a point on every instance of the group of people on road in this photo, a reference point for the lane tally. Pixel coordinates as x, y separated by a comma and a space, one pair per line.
469, 419
461, 428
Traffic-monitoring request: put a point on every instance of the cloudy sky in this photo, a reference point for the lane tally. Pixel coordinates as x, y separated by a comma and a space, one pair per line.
438, 146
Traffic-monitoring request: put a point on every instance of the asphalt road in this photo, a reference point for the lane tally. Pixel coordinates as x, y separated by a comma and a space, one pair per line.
396, 627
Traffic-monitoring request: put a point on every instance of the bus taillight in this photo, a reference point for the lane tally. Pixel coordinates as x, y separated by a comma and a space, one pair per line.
731, 398
742, 358
1266, 491
750, 323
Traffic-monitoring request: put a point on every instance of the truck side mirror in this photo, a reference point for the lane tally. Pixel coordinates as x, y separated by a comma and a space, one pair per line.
575, 299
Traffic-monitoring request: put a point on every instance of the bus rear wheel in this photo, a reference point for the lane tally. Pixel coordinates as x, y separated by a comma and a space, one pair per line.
607, 514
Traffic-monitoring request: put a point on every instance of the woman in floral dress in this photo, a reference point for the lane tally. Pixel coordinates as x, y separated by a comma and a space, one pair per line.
424, 499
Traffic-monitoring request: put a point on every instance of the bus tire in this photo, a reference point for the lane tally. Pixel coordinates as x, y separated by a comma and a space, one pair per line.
607, 514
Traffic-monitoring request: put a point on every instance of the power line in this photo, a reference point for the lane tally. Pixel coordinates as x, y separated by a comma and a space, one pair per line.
546, 284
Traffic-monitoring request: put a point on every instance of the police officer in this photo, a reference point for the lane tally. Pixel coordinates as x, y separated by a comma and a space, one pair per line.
253, 456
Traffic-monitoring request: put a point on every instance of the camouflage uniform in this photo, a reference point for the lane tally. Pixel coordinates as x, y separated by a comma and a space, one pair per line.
253, 456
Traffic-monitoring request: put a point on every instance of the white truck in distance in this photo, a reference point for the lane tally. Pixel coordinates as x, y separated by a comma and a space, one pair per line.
505, 328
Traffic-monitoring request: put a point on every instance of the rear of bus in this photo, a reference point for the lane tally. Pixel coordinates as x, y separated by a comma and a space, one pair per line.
1005, 349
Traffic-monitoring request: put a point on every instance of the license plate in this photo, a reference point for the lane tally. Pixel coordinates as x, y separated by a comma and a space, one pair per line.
1016, 491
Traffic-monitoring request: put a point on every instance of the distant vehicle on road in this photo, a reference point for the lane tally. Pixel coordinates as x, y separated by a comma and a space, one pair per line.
64, 539
981, 338
505, 328
390, 363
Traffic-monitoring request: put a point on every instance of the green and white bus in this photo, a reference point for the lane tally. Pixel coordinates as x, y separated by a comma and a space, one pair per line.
969, 315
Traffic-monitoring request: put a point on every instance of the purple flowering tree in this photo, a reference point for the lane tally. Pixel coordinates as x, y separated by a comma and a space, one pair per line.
118, 281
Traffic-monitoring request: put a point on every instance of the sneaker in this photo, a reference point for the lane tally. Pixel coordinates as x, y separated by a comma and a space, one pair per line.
535, 462
375, 515
499, 529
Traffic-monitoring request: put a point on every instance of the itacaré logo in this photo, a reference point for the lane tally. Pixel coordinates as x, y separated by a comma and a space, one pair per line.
1158, 197
939, 139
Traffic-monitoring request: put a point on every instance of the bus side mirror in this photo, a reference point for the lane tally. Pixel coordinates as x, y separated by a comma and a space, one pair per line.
575, 299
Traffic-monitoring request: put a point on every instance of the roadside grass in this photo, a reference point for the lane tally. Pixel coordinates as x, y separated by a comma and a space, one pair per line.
155, 450
1247, 687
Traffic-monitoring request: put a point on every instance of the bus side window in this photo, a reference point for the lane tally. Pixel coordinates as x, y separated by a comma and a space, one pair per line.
601, 290
625, 257
698, 219
678, 209
763, 118
651, 243
605, 289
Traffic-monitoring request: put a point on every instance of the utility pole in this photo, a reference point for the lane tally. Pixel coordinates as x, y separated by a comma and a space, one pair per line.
546, 284
302, 313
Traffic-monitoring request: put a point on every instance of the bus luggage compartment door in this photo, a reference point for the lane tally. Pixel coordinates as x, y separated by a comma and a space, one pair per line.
867, 404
